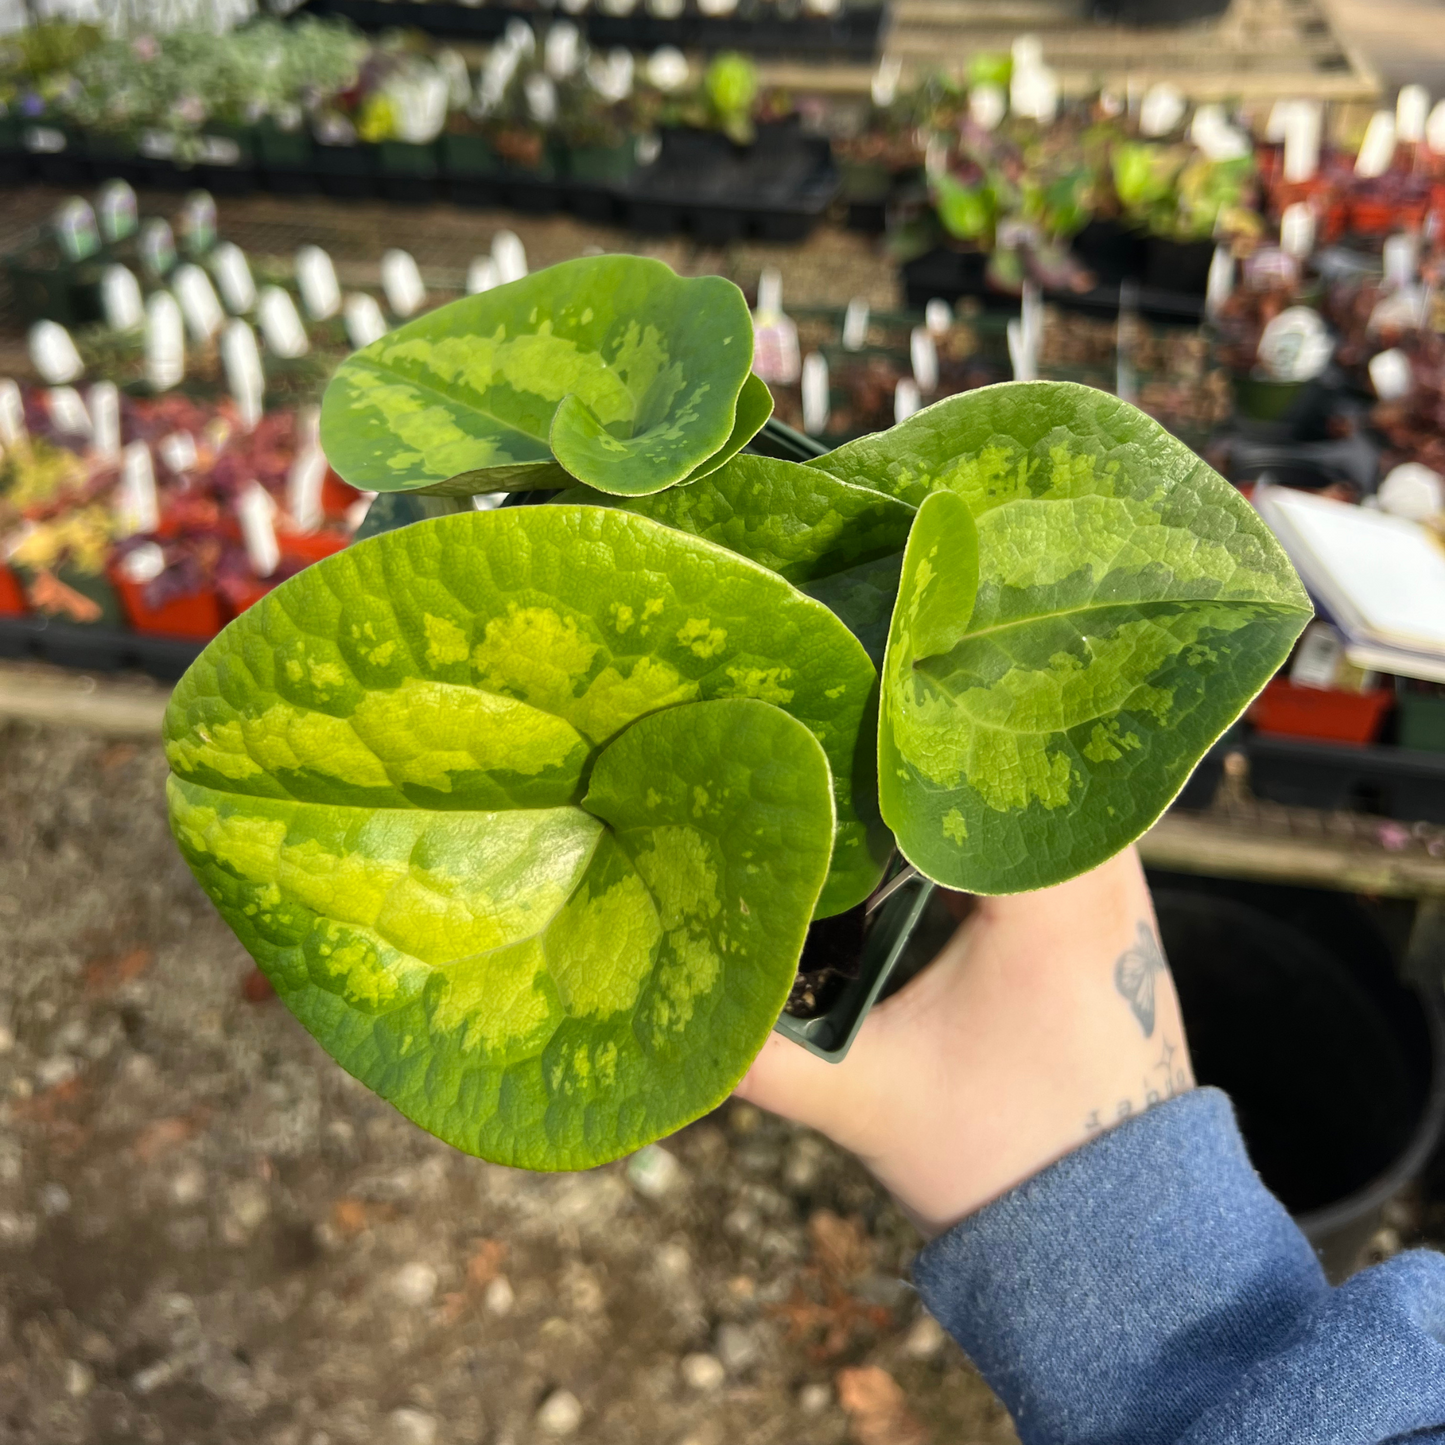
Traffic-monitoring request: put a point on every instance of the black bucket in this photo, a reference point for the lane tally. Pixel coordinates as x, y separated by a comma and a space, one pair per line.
1294, 1006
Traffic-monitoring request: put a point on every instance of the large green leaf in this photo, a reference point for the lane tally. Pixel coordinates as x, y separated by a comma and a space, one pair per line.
831, 539
1129, 603
511, 808
611, 370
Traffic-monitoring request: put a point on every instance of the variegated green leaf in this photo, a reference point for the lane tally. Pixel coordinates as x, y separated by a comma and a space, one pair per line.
1128, 605
525, 814
825, 536
611, 370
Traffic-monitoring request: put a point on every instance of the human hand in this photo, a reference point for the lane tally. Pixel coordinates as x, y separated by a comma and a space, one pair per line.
1048, 1017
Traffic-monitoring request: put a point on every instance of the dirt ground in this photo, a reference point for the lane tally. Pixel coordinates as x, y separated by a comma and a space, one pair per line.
209, 1233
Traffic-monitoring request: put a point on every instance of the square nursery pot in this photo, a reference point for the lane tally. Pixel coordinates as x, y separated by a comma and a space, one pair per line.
1180, 266
347, 172
195, 615
1420, 720
1320, 713
885, 941
408, 172
470, 168
12, 594
284, 159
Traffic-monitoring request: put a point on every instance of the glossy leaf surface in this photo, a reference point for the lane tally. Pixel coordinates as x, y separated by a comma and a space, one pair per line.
1128, 605
511, 809
611, 370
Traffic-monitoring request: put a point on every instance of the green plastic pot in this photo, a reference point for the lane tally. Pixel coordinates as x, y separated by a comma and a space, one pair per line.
277, 147
601, 165
1420, 720
401, 158
467, 155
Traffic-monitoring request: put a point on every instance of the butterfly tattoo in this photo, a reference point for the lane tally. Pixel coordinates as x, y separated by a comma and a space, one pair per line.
1134, 975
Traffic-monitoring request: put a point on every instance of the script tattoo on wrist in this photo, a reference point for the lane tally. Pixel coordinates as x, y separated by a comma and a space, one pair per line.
1134, 973
1167, 1079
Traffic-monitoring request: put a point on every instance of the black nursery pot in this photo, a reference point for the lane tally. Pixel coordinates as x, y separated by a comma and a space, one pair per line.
1294, 1007
903, 935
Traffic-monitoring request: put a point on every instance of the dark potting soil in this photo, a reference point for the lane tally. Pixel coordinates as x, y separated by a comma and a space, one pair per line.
832, 955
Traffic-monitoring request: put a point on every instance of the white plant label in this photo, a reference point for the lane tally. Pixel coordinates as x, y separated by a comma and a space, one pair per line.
12, 413
938, 316
1377, 149
104, 399
402, 283
116, 209
816, 404
1161, 110
1018, 353
770, 294
75, 229
883, 88
120, 299
316, 280
157, 248
364, 321
906, 399
1318, 657
1220, 285
1297, 230
987, 106
67, 411
481, 275
137, 502
1390, 375
244, 378
198, 302
256, 513
1296, 345
1413, 490
53, 353
144, 564
165, 342
44, 140
198, 222
923, 357
510, 256
281, 327
776, 357
303, 488
178, 452
459, 82
1435, 129
218, 150
233, 276
855, 325
1303, 124
1401, 260
562, 50
1412, 110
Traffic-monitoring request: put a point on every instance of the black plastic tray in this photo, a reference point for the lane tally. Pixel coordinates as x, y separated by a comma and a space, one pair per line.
852, 35
96, 649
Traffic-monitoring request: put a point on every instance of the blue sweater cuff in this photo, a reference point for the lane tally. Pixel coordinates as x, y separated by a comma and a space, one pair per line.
1122, 1291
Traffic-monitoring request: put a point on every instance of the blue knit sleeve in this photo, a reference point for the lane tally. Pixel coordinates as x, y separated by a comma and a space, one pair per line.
1148, 1289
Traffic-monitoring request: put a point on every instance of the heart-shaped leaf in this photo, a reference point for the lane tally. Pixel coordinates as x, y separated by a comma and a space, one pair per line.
610, 369
823, 535
511, 809
1129, 603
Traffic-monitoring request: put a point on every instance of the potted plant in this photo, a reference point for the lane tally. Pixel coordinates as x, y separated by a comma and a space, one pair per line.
526, 813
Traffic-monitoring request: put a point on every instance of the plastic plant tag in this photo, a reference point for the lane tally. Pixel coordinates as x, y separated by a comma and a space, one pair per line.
1161, 110
1412, 110
67, 412
256, 513
364, 322
144, 563
104, 407
855, 325
316, 280
1020, 354
198, 222
459, 82
1318, 657
244, 377
157, 249
1220, 285
776, 356
281, 327
1297, 230
938, 317
120, 299
218, 150
906, 399
75, 229
1377, 149
923, 357
1034, 93
562, 50
816, 405
1413, 490
233, 275
115, 207
53, 353
987, 105
137, 502
165, 361
481, 275
1213, 135
303, 488
12, 414
178, 453
157, 145
883, 86
1391, 375
1401, 258
1303, 122
44, 140
510, 256
1435, 129
198, 302
402, 283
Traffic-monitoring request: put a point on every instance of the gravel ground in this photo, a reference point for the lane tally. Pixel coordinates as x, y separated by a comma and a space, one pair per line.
209, 1233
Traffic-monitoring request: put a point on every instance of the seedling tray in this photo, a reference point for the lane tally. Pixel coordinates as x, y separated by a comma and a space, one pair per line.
96, 649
